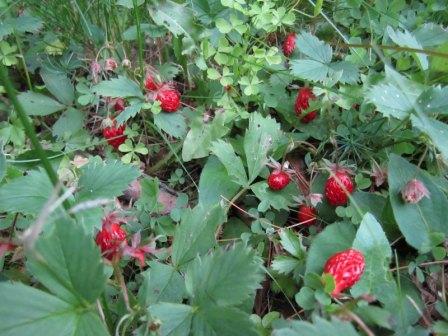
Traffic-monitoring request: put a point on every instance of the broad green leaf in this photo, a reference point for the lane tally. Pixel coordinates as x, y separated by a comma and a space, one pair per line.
215, 183
309, 69
161, 283
172, 123
29, 311
320, 327
372, 242
430, 34
26, 194
233, 163
196, 233
118, 87
59, 256
434, 100
436, 130
312, 47
176, 318
200, 136
178, 19
59, 85
407, 39
70, 122
418, 222
292, 243
105, 179
318, 7
225, 277
281, 199
261, 136
222, 321
334, 238
36, 104
128, 113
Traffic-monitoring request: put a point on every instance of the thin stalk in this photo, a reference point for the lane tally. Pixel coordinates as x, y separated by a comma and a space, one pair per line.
140, 42
29, 130
22, 57
164, 161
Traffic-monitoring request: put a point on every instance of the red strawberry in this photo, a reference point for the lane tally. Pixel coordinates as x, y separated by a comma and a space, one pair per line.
150, 84
169, 99
346, 267
109, 239
306, 215
114, 135
119, 105
338, 187
278, 180
302, 103
289, 44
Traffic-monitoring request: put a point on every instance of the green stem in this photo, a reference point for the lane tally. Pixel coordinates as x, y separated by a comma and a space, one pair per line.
140, 42
164, 161
27, 75
29, 129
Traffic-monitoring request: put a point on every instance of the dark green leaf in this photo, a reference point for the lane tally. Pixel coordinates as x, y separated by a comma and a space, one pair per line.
70, 122
59, 85
172, 123
36, 104
233, 163
176, 318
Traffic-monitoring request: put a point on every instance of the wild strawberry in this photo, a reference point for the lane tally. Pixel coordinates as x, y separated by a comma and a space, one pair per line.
278, 180
306, 215
414, 191
113, 134
110, 64
338, 187
346, 267
169, 99
289, 44
119, 105
110, 238
302, 103
150, 84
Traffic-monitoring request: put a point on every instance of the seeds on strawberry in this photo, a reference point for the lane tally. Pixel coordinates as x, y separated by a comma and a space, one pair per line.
304, 95
346, 267
169, 99
278, 180
306, 215
114, 135
110, 239
338, 187
150, 84
289, 44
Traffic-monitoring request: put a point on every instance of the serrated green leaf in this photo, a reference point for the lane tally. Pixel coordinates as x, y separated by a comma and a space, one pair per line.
434, 100
129, 112
226, 277
407, 39
196, 233
418, 222
279, 199
70, 122
59, 256
285, 265
105, 179
320, 327
26, 194
222, 321
176, 318
29, 311
36, 104
121, 87
436, 130
312, 47
59, 85
292, 243
233, 163
161, 283
215, 183
172, 123
372, 242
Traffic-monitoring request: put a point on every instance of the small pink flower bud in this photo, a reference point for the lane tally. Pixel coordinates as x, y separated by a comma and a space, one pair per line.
110, 64
95, 69
414, 191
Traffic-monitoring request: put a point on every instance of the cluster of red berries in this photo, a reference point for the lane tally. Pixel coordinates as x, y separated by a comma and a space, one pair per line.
168, 97
114, 134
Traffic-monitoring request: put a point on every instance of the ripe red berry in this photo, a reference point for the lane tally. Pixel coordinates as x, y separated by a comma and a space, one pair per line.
278, 180
302, 103
109, 239
114, 135
289, 44
119, 105
346, 267
169, 99
338, 187
306, 215
150, 84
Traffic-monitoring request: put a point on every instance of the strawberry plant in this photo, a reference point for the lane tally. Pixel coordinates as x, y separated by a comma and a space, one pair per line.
229, 167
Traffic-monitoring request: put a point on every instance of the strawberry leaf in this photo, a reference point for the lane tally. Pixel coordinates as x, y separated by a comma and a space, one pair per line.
225, 277
176, 318
320, 327
121, 87
36, 104
172, 123
233, 163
